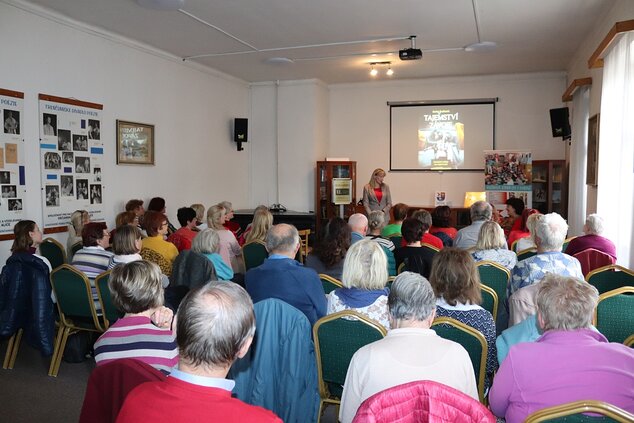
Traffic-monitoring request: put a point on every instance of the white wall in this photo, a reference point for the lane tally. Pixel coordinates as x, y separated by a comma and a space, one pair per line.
193, 111
360, 127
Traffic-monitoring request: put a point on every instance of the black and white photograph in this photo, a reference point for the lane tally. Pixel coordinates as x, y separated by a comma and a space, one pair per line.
11, 121
5, 177
68, 157
67, 186
82, 189
80, 143
94, 131
82, 164
95, 194
15, 205
52, 196
49, 124
97, 172
63, 140
9, 191
52, 161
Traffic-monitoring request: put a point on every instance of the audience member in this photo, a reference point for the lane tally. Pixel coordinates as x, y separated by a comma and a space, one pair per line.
376, 222
124, 218
262, 222
282, 277
200, 215
93, 259
491, 246
359, 226
207, 243
411, 350
440, 219
328, 256
144, 332
592, 229
228, 224
27, 239
184, 236
413, 256
550, 234
126, 245
376, 194
157, 204
522, 230
514, 209
529, 241
364, 279
154, 247
243, 236
400, 213
569, 362
425, 217
467, 237
77, 221
229, 248
135, 206
456, 282
216, 325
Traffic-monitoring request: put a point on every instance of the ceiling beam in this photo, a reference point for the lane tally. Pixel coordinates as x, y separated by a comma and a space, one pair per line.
573, 87
596, 61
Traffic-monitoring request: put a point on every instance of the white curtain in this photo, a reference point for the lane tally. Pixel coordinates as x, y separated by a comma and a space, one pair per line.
578, 154
616, 148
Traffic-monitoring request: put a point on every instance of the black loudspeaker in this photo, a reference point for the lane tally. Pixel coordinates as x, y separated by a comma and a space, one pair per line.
559, 122
240, 129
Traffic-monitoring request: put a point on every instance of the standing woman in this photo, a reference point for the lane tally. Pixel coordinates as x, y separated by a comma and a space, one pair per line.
376, 194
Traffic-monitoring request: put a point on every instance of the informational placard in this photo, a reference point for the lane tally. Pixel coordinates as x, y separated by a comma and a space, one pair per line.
508, 174
12, 180
341, 190
71, 158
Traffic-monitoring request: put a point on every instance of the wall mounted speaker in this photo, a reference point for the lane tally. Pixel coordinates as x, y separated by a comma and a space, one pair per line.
559, 122
240, 129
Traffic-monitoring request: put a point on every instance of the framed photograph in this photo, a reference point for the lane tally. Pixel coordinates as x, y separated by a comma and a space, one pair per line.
592, 166
135, 143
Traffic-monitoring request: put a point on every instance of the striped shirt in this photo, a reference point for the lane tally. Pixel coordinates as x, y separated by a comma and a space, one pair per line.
136, 337
92, 261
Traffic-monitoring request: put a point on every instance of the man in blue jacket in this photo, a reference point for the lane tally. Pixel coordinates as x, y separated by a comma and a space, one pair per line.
281, 277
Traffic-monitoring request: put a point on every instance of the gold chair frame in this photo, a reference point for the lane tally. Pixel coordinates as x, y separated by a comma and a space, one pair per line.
255, 241
577, 407
483, 343
609, 294
431, 247
330, 279
12, 349
303, 238
106, 323
59, 245
324, 395
496, 300
609, 267
528, 250
497, 266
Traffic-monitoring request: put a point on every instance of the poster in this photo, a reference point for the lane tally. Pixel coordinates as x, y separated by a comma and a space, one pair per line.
12, 181
71, 158
508, 174
341, 190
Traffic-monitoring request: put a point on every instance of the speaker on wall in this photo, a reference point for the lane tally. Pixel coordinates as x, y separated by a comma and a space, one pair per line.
240, 129
559, 122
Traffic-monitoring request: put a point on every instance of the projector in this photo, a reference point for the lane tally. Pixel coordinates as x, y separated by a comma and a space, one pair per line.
410, 54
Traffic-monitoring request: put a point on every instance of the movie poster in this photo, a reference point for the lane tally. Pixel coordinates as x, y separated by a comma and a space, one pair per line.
441, 140
71, 152
508, 174
12, 171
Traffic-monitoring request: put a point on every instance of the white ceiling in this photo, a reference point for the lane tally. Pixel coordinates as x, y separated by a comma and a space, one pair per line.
531, 35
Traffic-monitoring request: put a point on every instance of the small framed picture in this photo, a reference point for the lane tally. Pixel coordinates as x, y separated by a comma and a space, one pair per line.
135, 143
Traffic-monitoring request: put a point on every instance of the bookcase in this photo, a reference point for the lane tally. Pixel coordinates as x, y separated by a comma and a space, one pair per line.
550, 186
325, 208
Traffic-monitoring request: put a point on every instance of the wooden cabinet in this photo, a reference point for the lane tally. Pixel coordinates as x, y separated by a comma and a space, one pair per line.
550, 186
325, 208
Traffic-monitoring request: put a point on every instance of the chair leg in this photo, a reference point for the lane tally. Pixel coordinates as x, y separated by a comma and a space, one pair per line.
16, 347
60, 344
321, 410
7, 356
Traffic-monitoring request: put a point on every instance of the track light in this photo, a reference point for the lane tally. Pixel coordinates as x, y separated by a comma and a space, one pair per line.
375, 72
389, 72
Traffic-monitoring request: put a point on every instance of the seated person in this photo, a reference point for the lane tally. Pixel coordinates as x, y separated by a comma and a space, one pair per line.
207, 243
144, 332
243, 236
262, 222
124, 218
522, 231
491, 246
400, 213
569, 362
282, 277
529, 241
216, 325
425, 217
411, 350
229, 249
157, 204
200, 216
416, 258
234, 227
93, 259
514, 209
440, 218
592, 229
184, 236
550, 234
155, 248
376, 222
358, 226
364, 279
328, 256
467, 237
456, 282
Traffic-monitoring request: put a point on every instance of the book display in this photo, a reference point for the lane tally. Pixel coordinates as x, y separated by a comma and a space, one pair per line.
550, 186
335, 189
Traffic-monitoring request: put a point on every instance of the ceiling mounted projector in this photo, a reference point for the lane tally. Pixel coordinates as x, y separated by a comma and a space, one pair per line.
411, 53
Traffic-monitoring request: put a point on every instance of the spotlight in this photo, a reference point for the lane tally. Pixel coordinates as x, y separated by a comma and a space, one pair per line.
389, 71
374, 72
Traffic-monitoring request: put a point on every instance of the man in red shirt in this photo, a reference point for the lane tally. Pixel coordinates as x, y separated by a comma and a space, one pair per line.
215, 326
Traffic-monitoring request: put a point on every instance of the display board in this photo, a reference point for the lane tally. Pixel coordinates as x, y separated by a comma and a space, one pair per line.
12, 171
71, 159
508, 174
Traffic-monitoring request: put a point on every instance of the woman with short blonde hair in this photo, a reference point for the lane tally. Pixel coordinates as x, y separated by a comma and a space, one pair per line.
77, 221
229, 248
491, 246
200, 214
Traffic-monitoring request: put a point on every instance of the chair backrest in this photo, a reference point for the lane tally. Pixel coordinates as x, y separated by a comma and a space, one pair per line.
401, 268
74, 295
629, 341
191, 270
254, 253
494, 276
524, 254
433, 248
489, 300
591, 259
396, 238
110, 312
571, 412
337, 337
53, 251
471, 339
303, 239
613, 316
420, 401
514, 245
566, 242
75, 247
329, 283
609, 278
